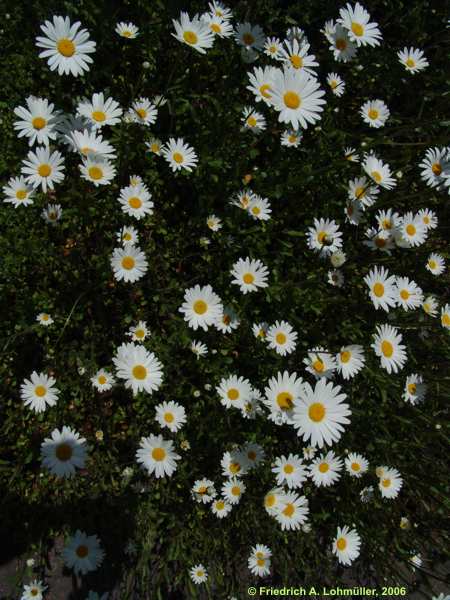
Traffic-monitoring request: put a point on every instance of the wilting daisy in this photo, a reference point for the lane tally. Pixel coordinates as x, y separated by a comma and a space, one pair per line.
228, 321
253, 120
325, 237
260, 330
272, 48
249, 274
234, 391
430, 306
52, 213
250, 37
412, 59
408, 293
435, 264
412, 229
63, 452
295, 56
350, 360
375, 113
201, 307
18, 192
179, 155
203, 491
100, 111
142, 111
129, 263
282, 338
193, 32
382, 290
351, 155
387, 345
261, 83
232, 490
361, 31
343, 49
292, 511
139, 332
171, 415
321, 413
44, 319
141, 370
378, 171
97, 170
221, 508
325, 469
297, 96
102, 380
43, 169
39, 391
83, 553
254, 454
37, 121
33, 591
66, 46
335, 278
157, 456
415, 389
390, 483
283, 394
346, 545
290, 471
336, 83
259, 560
353, 212
356, 465
154, 146
291, 138
320, 363
338, 258
127, 30
445, 316
198, 574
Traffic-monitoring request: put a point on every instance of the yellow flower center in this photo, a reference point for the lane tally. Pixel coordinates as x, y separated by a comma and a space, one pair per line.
248, 39
292, 100
95, 173
373, 114
102, 379
264, 90
248, 278
21, 194
289, 510
292, 139
318, 365
154, 148
39, 123
141, 112
126, 237
412, 388
378, 290
139, 372
404, 294
341, 543
345, 356
63, 452
158, 454
190, 37
270, 500
296, 61
220, 505
387, 348
316, 412
357, 29
288, 469
356, 466
445, 319
233, 394
285, 400
99, 116
126, 33
235, 467
40, 391
168, 417
177, 157
200, 307
82, 551
251, 122
333, 84
321, 236
128, 262
436, 168
215, 27
386, 482
376, 175
341, 44
44, 170
135, 202
280, 338
236, 490
410, 229
66, 47
324, 467
360, 192
432, 264
260, 562
410, 63
139, 333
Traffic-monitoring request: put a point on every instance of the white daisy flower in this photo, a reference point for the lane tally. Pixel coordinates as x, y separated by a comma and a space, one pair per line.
297, 96
356, 465
408, 293
52, 213
250, 37
428, 217
154, 146
259, 560
379, 240
430, 306
249, 274
259, 208
445, 316
219, 9
434, 166
37, 121
66, 46
253, 120
282, 338
39, 391
375, 113
228, 321
33, 591
103, 380
221, 508
218, 25
139, 332
179, 155
361, 31
135, 201
353, 212
157, 456
351, 155
435, 264
378, 171
292, 512
387, 220
203, 491
232, 490
291, 138
350, 360
412, 229
100, 111
254, 454
283, 394
142, 111
243, 199
199, 349
320, 363
90, 143
390, 483
361, 191
346, 545
83, 553
18, 192
290, 471
338, 258
44, 319
202, 307
325, 237
261, 83
325, 469
97, 170
337, 84
272, 48
321, 414
335, 278
344, 50
412, 59
193, 32
198, 574
127, 30
415, 389
234, 464
234, 391
128, 263
382, 290
260, 330
171, 415
141, 370
387, 345
43, 169
63, 452
214, 223
295, 56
